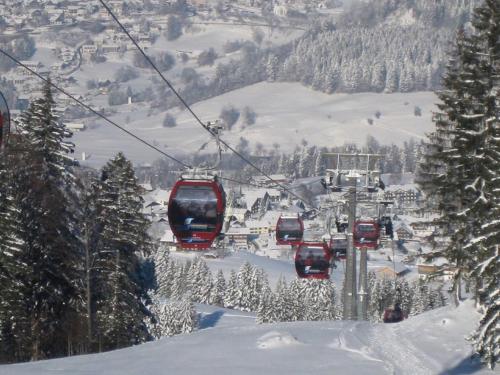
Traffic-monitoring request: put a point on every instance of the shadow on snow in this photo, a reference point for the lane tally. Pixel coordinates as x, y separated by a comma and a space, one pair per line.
210, 320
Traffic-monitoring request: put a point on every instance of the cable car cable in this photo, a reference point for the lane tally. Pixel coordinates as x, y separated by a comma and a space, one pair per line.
108, 9
113, 123
87, 107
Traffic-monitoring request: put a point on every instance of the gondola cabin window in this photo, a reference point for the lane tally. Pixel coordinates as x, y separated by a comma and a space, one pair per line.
195, 207
312, 261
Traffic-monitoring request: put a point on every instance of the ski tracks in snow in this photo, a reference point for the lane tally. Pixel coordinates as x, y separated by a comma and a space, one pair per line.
386, 344
390, 345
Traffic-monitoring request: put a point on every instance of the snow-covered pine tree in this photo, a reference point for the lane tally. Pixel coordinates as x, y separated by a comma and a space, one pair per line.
449, 166
231, 296
162, 267
375, 304
14, 269
468, 165
485, 189
123, 244
282, 311
405, 295
206, 290
297, 298
194, 278
179, 282
219, 289
244, 298
49, 221
257, 281
320, 300
420, 301
170, 277
156, 309
186, 315
266, 312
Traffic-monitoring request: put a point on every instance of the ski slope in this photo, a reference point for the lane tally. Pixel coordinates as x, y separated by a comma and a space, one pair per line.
229, 343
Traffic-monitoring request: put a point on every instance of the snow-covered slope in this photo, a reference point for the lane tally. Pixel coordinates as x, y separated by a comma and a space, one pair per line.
231, 343
287, 113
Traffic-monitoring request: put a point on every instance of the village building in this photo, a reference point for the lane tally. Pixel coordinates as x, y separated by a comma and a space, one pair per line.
403, 230
403, 195
391, 271
88, 51
265, 181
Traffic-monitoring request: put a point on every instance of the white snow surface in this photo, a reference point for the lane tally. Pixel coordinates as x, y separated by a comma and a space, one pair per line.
287, 113
229, 342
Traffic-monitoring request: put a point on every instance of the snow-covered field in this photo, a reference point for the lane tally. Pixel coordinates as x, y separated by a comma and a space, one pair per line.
287, 113
231, 343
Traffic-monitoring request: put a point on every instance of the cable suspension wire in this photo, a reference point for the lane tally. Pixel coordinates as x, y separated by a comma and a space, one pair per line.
239, 182
87, 107
120, 127
188, 107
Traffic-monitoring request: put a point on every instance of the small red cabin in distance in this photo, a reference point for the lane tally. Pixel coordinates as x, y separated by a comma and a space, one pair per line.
4, 119
338, 246
289, 230
312, 260
366, 234
196, 212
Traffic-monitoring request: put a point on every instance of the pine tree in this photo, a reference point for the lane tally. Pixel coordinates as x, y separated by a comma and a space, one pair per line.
219, 289
485, 189
464, 172
179, 282
123, 244
49, 222
14, 269
186, 316
162, 268
296, 292
231, 297
243, 287
266, 312
283, 314
206, 291
451, 162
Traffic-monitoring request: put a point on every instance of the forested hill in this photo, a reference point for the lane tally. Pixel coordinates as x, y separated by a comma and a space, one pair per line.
382, 45
374, 46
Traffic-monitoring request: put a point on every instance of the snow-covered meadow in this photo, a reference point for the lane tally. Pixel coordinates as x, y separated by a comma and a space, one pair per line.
229, 342
287, 113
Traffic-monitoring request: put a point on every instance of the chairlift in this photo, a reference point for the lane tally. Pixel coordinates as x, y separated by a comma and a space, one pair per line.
196, 212
312, 260
289, 230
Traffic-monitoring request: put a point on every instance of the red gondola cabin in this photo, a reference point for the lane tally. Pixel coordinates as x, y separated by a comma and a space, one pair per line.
289, 230
338, 246
366, 234
196, 212
312, 260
